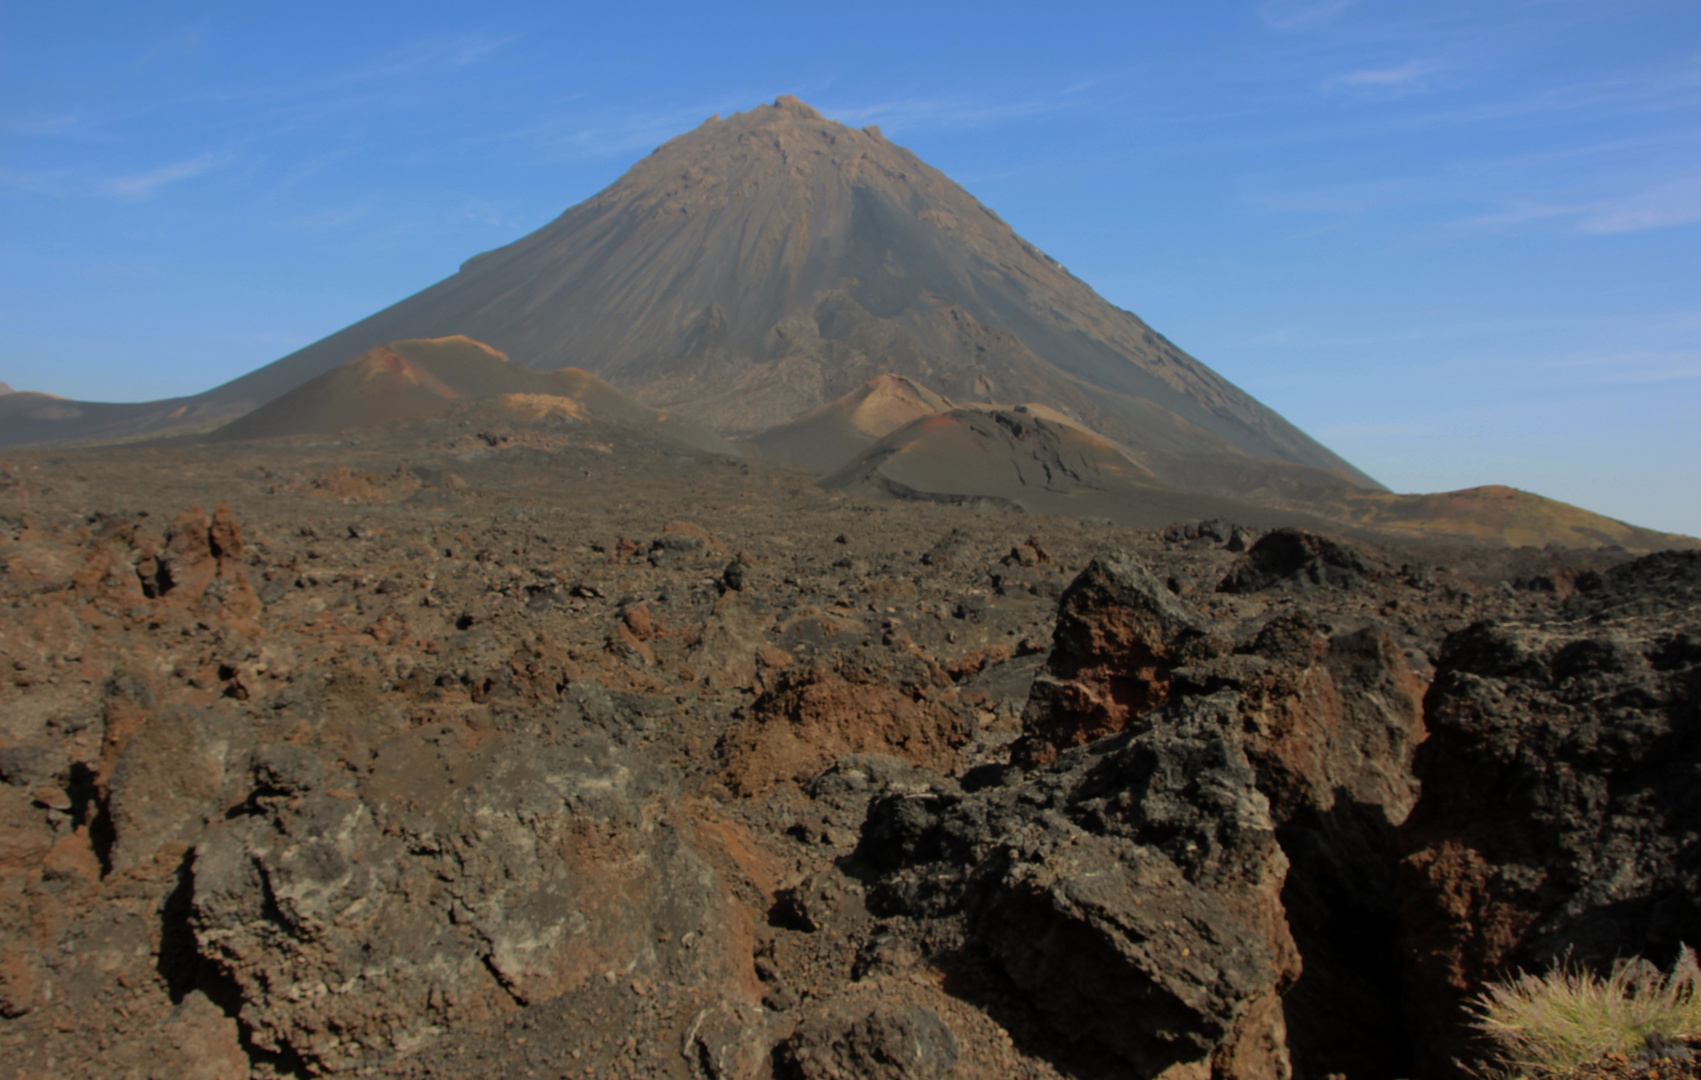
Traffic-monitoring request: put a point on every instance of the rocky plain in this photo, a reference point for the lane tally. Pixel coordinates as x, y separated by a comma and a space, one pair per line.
499, 744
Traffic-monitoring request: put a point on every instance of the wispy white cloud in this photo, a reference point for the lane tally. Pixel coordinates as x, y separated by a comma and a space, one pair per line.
1409, 77
328, 219
1658, 93
1298, 14
1094, 82
142, 186
991, 176
1340, 199
486, 212
1664, 205
38, 123
179, 45
927, 112
45, 182
603, 132
1283, 335
1676, 373
1372, 430
1633, 366
1676, 202
421, 57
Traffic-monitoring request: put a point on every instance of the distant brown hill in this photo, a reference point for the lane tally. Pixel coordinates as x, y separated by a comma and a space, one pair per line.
1024, 457
29, 417
824, 439
1496, 514
420, 378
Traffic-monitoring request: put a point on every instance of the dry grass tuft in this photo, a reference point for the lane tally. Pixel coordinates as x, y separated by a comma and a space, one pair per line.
1548, 1025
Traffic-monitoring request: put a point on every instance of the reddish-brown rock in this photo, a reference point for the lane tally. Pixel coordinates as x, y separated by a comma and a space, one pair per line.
1120, 632
812, 717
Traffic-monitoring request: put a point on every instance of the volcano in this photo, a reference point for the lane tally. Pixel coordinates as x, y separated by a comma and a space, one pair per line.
760, 266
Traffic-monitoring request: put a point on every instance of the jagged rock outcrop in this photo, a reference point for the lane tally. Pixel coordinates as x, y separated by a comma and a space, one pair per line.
1561, 794
1119, 634
1329, 715
1130, 889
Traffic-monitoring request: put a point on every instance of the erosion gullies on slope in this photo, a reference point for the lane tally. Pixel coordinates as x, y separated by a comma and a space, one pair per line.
760, 266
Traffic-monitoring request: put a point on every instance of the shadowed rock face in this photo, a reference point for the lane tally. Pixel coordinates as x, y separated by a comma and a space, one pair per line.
1326, 711
1561, 793
1130, 890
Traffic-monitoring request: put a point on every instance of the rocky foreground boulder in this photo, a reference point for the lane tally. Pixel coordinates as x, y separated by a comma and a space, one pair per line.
1131, 890
448, 887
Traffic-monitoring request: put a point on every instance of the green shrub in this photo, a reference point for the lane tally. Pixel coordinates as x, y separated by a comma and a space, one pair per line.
1547, 1025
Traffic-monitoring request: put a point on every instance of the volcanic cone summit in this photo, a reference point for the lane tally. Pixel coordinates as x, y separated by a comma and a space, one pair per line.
762, 265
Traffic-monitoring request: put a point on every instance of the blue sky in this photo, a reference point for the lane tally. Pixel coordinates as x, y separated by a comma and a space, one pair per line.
1460, 242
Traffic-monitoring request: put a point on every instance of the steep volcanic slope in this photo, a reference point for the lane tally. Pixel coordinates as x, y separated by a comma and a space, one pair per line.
759, 266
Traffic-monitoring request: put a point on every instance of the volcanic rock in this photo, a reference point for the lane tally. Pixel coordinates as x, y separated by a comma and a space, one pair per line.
1329, 719
358, 786
1299, 559
411, 907
1561, 794
1130, 889
887, 1043
1119, 633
